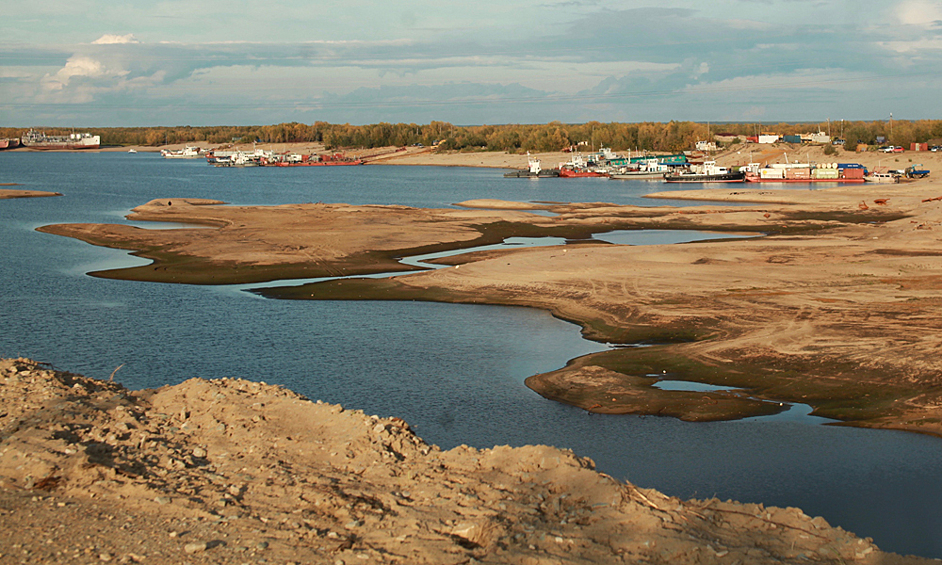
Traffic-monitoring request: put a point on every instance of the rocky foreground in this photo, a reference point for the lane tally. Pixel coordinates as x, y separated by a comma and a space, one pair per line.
235, 471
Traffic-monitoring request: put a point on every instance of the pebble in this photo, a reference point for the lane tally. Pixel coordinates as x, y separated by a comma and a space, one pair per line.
105, 557
195, 547
261, 545
162, 500
199, 452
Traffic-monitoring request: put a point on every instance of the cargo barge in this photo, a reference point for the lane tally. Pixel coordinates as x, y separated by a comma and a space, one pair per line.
806, 172
75, 141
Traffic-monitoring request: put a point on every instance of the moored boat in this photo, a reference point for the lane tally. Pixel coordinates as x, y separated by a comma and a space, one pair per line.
805, 172
188, 152
534, 170
577, 167
708, 172
882, 177
296, 160
40, 141
10, 143
649, 169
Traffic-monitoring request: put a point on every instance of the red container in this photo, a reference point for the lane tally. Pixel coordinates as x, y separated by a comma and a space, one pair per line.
853, 173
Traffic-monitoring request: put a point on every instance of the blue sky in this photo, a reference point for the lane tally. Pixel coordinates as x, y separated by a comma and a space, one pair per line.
175, 62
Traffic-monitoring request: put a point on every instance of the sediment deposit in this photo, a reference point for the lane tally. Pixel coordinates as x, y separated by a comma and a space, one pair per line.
235, 471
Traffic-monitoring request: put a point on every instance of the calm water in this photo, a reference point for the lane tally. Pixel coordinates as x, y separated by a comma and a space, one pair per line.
454, 371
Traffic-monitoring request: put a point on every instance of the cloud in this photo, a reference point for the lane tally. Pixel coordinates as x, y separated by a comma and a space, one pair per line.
109, 39
79, 66
920, 13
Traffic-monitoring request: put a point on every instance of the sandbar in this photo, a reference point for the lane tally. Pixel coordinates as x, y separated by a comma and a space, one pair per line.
8, 193
836, 306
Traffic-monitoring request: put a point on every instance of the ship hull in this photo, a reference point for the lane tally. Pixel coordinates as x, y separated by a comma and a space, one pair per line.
638, 176
75, 142
728, 177
545, 174
568, 174
317, 164
757, 179
59, 147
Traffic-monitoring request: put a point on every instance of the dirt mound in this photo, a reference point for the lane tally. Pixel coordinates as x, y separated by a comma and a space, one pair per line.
234, 471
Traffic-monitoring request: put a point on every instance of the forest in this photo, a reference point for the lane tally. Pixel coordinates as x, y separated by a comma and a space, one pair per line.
516, 138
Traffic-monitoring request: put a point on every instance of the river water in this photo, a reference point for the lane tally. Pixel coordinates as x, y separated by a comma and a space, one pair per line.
455, 372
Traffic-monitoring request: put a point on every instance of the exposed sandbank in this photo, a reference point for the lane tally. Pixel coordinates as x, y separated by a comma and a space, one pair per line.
7, 193
823, 312
232, 471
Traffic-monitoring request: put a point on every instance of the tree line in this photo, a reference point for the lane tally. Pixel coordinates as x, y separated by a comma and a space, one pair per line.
651, 136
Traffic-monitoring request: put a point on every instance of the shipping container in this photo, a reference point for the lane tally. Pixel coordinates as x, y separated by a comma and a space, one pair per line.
854, 173
797, 174
792, 139
772, 173
919, 147
820, 173
849, 166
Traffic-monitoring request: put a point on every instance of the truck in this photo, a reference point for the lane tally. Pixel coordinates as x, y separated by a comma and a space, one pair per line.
916, 172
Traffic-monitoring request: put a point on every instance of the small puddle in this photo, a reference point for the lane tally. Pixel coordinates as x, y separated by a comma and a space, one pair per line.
796, 412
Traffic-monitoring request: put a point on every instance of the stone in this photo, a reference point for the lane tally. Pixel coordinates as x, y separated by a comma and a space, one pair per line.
195, 547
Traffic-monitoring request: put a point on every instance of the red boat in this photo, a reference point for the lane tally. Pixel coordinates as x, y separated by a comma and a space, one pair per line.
577, 167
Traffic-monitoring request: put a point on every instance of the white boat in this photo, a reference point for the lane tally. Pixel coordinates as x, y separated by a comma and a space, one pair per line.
39, 140
648, 169
534, 170
132, 151
882, 177
188, 152
708, 172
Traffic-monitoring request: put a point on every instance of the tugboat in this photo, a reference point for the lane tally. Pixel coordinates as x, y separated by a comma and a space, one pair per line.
534, 170
706, 173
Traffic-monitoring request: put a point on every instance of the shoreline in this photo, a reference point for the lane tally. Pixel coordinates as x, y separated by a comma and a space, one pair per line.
232, 470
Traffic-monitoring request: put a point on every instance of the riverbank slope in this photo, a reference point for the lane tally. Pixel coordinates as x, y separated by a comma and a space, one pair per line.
235, 471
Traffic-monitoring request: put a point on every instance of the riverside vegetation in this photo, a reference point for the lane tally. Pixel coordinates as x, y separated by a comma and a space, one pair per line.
651, 136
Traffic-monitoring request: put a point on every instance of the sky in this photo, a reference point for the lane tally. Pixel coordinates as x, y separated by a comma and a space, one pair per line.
173, 62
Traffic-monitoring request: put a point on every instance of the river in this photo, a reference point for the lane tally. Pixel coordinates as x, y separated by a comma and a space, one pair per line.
453, 371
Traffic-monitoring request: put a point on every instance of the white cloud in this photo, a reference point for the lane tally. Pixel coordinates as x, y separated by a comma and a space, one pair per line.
81, 66
109, 39
921, 13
